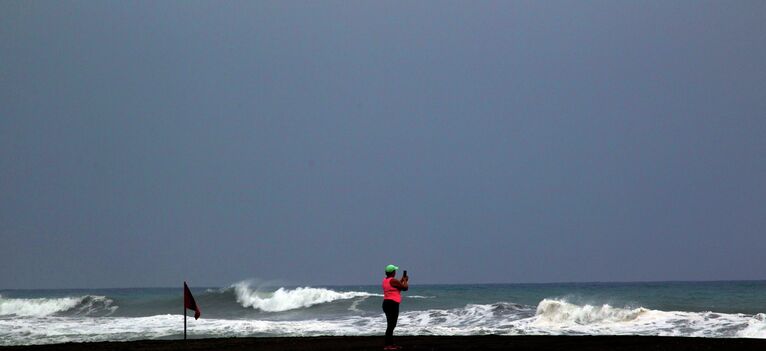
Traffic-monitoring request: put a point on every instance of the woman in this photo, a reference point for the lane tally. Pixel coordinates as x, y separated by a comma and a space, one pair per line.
392, 297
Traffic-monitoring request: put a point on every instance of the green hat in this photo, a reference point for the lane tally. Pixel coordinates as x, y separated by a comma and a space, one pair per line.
390, 268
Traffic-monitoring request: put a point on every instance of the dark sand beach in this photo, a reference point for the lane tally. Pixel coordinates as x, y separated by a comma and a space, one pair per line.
423, 343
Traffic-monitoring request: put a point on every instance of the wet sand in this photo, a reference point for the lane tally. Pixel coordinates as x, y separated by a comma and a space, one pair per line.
421, 343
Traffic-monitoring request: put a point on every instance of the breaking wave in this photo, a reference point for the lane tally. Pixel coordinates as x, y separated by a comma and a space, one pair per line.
289, 299
40, 307
558, 316
561, 311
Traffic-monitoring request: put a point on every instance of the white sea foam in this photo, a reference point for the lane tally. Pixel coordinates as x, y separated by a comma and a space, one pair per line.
473, 319
355, 305
39, 307
47, 330
756, 327
550, 317
289, 299
557, 316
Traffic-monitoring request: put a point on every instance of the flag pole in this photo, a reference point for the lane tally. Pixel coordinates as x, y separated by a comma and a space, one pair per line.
184, 313
189, 303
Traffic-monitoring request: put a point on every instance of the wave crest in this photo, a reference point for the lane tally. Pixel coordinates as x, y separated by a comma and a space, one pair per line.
561, 311
41, 307
289, 299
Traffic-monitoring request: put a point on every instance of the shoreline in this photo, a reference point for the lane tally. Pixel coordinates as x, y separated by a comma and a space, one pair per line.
431, 343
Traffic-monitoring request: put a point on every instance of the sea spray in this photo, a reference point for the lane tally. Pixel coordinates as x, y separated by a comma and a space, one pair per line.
289, 299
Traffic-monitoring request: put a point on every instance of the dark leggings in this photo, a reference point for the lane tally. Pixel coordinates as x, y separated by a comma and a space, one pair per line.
391, 309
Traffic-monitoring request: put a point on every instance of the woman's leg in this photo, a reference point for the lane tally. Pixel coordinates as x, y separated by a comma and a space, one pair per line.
391, 309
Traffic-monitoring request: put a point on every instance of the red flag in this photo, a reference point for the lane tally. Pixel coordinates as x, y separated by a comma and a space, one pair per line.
189, 301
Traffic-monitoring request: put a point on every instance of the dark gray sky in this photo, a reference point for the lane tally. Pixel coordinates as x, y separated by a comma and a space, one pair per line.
144, 143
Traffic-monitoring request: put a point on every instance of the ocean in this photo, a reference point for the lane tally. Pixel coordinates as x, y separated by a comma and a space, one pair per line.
699, 309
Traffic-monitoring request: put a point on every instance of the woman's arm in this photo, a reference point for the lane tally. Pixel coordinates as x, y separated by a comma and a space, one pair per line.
401, 284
